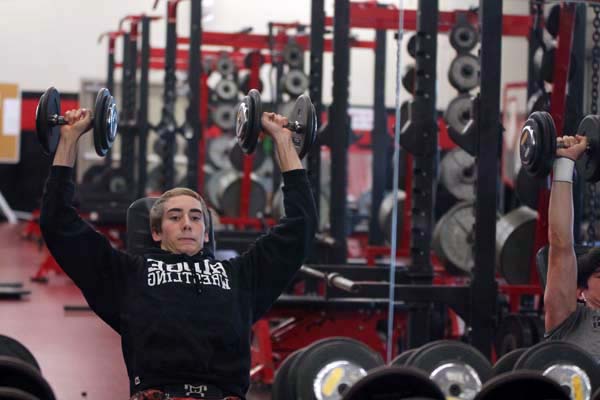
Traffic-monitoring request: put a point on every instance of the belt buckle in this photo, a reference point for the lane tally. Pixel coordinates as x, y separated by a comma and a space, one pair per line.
196, 390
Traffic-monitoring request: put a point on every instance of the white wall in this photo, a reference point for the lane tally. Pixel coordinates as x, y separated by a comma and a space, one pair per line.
55, 42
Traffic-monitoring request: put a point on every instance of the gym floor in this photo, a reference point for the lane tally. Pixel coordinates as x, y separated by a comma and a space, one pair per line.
79, 355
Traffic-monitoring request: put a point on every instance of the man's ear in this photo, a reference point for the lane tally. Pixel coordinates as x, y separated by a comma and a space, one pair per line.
206, 237
156, 236
580, 295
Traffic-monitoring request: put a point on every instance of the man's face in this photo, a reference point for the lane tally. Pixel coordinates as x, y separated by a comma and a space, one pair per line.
591, 295
183, 230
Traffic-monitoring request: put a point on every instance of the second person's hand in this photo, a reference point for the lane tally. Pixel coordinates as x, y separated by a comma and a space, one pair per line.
575, 146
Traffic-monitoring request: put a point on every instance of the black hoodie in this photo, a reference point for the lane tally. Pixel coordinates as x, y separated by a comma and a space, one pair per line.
182, 319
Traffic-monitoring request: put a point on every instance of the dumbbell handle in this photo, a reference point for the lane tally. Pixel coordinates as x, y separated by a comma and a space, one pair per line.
561, 145
294, 126
58, 120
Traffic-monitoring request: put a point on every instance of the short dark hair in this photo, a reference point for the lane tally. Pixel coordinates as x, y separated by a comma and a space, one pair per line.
158, 209
587, 263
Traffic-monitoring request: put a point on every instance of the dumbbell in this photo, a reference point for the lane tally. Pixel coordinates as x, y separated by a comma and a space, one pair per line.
538, 145
303, 123
105, 120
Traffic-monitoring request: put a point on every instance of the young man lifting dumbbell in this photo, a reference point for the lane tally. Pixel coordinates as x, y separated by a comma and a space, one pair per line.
569, 278
184, 317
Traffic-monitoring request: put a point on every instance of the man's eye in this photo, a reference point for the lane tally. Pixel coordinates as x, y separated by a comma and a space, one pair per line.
174, 217
196, 219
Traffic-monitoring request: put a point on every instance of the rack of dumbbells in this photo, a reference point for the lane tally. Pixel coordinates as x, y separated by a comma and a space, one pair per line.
457, 167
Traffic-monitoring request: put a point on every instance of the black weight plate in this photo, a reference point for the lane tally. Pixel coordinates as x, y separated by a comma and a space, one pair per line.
530, 148
515, 235
384, 216
457, 174
236, 157
522, 385
527, 189
212, 188
298, 360
160, 147
112, 120
549, 142
117, 182
226, 90
543, 136
218, 149
457, 368
552, 356
514, 332
394, 383
295, 82
244, 123
281, 387
333, 366
224, 116
48, 106
100, 133
41, 124
225, 65
13, 348
7, 393
108, 125
463, 37
17, 374
507, 362
452, 239
588, 164
539, 101
257, 115
403, 357
314, 130
467, 138
155, 180
100, 139
293, 55
230, 192
457, 114
553, 20
463, 73
408, 78
411, 46
303, 113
